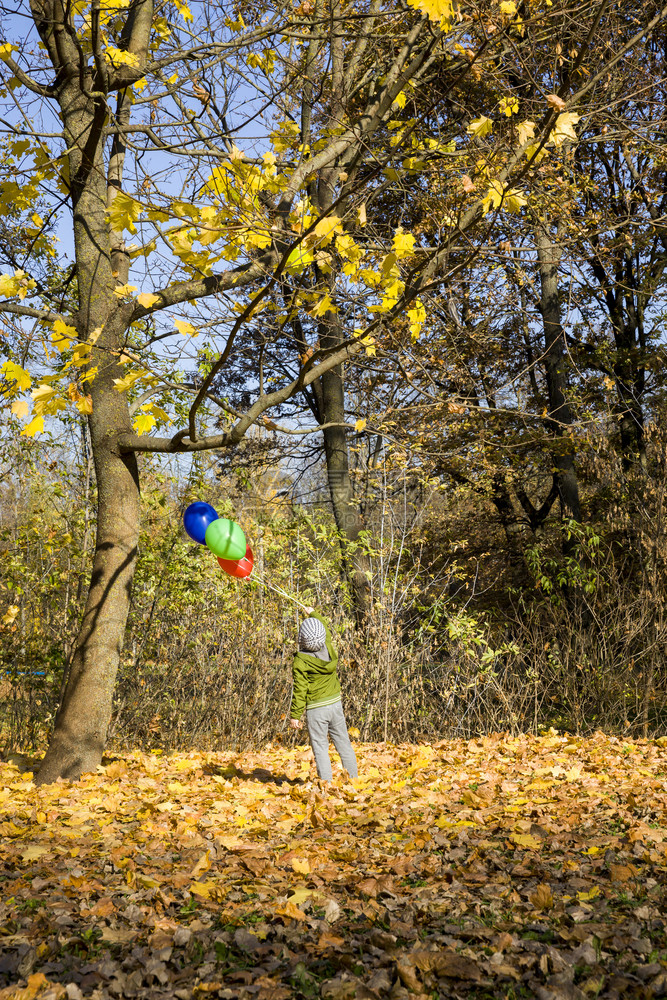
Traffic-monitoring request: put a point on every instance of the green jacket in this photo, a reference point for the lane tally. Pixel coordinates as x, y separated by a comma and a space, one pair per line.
315, 683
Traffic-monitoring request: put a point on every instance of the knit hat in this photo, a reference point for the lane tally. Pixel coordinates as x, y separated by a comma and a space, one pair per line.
312, 635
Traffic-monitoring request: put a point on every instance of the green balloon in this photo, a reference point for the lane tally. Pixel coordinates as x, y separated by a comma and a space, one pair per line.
225, 539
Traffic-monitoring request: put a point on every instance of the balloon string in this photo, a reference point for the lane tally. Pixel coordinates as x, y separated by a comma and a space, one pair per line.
278, 590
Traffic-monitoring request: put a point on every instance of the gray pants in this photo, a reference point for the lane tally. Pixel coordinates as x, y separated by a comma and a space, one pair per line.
323, 723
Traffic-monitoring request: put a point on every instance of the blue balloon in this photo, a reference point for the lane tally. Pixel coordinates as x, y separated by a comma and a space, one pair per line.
197, 518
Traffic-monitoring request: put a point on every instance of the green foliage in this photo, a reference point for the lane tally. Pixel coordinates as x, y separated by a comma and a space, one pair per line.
576, 568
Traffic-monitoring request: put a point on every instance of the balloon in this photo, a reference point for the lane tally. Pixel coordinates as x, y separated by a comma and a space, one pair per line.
239, 568
197, 518
225, 539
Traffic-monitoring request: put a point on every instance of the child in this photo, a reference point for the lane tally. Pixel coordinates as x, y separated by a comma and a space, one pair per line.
317, 689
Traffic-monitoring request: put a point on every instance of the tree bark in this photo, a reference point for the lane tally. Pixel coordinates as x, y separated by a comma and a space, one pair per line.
330, 393
83, 717
347, 515
81, 724
560, 412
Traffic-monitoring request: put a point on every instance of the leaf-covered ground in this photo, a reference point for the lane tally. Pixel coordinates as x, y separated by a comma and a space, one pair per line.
496, 868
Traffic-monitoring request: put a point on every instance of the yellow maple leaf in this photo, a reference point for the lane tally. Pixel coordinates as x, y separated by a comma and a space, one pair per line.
123, 213
584, 897
514, 200
359, 424
186, 328
525, 131
533, 151
183, 10
125, 383
301, 866
236, 25
298, 260
479, 127
80, 356
147, 299
436, 10
20, 408
36, 426
259, 237
508, 7
324, 305
526, 840
120, 57
563, 130
403, 244
230, 842
203, 889
43, 393
391, 296
17, 283
158, 412
326, 229
289, 909
509, 198
346, 247
63, 335
508, 106
416, 316
284, 136
143, 423
203, 864
122, 291
12, 372
493, 196
85, 405
301, 895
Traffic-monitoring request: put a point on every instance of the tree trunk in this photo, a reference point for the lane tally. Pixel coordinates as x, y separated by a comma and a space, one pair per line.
560, 413
348, 517
83, 717
629, 372
330, 393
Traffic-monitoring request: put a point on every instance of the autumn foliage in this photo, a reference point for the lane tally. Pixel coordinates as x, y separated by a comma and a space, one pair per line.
499, 867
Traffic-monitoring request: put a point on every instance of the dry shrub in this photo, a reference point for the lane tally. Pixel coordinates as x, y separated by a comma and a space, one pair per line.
207, 661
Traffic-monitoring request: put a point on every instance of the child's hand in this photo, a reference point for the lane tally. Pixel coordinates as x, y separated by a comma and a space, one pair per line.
295, 723
308, 611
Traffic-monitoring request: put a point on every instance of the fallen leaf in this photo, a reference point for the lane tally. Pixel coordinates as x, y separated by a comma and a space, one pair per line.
542, 898
289, 909
526, 840
301, 865
448, 963
33, 852
118, 935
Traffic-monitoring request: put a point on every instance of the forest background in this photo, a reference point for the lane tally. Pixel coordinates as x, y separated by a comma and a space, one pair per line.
429, 383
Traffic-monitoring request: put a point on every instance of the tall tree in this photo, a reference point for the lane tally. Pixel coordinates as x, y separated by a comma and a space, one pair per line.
161, 97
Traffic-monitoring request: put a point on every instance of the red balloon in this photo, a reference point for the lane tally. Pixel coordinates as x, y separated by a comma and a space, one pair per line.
239, 568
